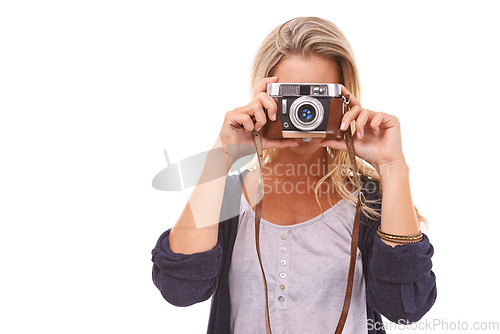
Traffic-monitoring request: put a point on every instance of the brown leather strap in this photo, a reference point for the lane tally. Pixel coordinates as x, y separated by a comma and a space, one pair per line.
354, 237
258, 212
355, 229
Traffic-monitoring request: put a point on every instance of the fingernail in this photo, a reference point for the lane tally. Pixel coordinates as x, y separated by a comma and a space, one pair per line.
359, 135
343, 126
258, 129
273, 117
295, 144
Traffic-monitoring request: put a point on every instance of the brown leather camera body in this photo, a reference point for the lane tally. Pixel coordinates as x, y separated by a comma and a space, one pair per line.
274, 129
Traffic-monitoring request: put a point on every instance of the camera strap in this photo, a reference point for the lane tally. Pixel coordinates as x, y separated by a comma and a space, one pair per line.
355, 229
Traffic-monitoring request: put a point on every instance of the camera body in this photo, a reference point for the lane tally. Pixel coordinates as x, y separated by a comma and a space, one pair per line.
306, 110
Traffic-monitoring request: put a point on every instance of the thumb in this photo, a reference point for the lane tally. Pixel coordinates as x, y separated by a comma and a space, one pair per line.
280, 143
335, 144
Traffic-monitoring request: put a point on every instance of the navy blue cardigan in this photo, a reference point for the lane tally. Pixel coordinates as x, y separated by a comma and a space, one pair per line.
399, 281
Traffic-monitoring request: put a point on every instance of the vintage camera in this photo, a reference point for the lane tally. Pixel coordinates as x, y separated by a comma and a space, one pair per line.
306, 110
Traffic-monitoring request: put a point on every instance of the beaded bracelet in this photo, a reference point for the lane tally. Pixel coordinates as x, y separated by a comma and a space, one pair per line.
400, 239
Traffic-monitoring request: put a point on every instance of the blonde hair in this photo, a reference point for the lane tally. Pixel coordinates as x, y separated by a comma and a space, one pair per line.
305, 36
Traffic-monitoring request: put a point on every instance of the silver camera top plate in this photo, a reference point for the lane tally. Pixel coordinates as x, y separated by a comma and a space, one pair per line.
301, 89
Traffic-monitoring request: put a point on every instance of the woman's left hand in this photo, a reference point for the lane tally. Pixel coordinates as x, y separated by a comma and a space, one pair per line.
377, 139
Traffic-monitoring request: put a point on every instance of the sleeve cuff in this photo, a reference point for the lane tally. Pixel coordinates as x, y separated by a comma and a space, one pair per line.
403, 263
197, 266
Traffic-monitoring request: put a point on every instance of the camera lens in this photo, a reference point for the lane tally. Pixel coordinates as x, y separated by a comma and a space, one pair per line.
306, 113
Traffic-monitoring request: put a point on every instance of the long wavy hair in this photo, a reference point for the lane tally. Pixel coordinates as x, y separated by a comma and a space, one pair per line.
305, 36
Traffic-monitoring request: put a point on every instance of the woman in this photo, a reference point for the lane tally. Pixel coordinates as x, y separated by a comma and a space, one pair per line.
306, 230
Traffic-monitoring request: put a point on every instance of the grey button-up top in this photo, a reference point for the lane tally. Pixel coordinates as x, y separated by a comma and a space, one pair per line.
306, 267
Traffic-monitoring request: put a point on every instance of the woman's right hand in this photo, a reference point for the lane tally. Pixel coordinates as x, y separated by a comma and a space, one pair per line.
236, 132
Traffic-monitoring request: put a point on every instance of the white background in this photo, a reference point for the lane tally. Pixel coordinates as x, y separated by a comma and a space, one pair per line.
91, 92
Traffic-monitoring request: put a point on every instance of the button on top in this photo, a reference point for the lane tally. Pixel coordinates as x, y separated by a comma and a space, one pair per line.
283, 236
283, 249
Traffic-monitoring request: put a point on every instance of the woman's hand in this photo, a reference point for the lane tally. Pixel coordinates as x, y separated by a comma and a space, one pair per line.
377, 139
236, 132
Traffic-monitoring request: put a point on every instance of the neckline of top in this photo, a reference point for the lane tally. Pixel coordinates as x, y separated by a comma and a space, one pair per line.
298, 225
